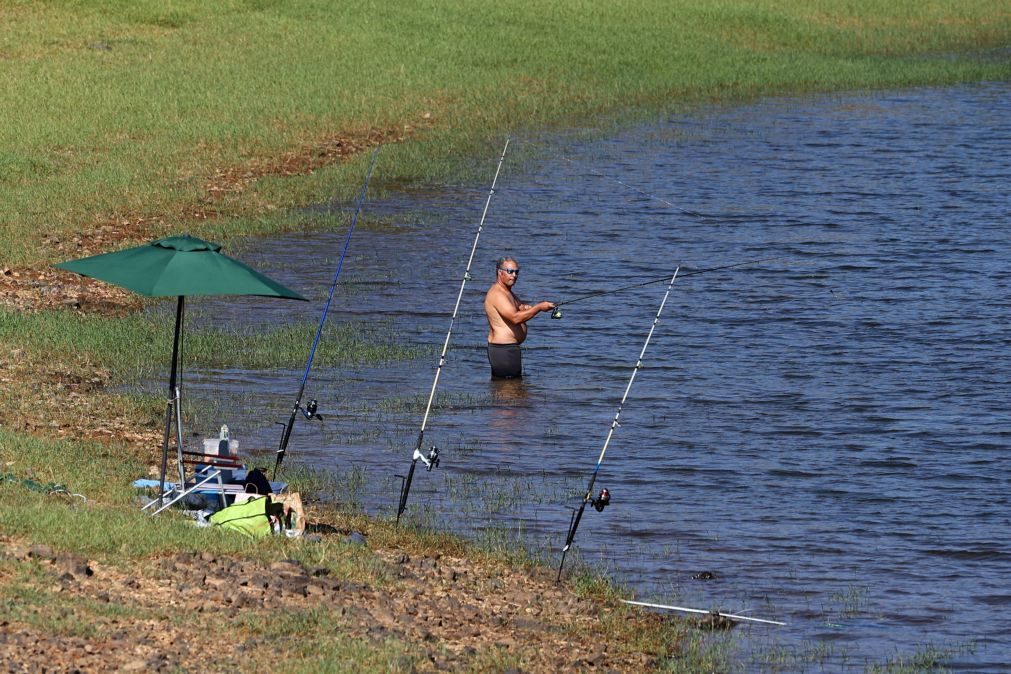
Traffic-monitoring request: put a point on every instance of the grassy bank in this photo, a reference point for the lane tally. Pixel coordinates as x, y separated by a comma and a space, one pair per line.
171, 114
77, 569
125, 121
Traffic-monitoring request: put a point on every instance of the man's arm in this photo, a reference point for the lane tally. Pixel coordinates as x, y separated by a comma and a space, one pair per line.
516, 316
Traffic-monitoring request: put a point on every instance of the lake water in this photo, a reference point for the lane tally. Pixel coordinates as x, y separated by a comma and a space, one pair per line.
825, 432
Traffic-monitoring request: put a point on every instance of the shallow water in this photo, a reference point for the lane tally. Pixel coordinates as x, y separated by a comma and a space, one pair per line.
825, 432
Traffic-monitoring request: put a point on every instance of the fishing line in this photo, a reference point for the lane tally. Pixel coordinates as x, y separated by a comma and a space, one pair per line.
309, 412
557, 313
694, 214
604, 498
553, 151
431, 460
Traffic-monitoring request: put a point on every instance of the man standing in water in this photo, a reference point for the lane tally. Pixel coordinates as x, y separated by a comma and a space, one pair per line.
507, 320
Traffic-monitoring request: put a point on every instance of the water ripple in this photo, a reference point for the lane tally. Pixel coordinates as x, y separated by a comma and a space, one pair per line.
827, 430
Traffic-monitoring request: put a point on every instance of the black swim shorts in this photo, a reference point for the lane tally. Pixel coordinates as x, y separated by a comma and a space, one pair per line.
506, 361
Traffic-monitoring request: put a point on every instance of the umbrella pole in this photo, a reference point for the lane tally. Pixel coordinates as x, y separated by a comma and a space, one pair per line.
173, 403
179, 435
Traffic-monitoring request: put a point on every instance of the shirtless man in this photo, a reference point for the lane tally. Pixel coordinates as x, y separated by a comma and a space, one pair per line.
507, 320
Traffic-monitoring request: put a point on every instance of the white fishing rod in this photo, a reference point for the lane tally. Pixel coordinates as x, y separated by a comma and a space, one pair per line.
604, 498
685, 609
431, 459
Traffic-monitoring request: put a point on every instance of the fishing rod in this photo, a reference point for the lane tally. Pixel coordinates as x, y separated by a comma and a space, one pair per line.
431, 459
557, 313
603, 499
309, 412
730, 616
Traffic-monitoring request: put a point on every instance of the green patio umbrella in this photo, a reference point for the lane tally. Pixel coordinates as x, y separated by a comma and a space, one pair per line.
177, 266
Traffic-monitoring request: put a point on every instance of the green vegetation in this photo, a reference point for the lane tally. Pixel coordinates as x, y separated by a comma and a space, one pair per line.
125, 121
107, 524
286, 636
165, 114
930, 659
140, 345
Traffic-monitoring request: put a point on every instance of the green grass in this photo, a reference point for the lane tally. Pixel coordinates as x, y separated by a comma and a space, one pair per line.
128, 110
140, 345
930, 659
86, 468
701, 652
119, 113
30, 589
313, 640
109, 525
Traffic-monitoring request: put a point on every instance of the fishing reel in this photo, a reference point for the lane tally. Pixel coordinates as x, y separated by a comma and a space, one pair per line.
556, 312
431, 460
602, 501
309, 412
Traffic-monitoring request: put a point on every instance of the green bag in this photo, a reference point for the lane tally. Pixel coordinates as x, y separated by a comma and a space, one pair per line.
250, 518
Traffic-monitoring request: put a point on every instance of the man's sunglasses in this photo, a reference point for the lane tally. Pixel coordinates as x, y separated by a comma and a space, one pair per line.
509, 271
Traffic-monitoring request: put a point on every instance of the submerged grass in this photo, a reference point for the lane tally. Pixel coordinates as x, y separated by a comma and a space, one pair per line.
930, 659
139, 345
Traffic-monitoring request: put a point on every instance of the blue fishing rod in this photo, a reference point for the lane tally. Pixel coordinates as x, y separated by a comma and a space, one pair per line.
602, 500
309, 412
431, 459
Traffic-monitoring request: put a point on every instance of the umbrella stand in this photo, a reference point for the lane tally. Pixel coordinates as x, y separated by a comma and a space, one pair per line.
172, 407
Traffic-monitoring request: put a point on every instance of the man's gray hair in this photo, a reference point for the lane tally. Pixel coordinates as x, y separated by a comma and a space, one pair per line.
502, 260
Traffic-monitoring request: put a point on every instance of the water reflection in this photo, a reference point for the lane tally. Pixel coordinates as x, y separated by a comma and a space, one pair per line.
510, 398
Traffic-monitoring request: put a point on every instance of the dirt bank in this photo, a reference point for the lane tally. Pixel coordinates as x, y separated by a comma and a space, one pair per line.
440, 612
